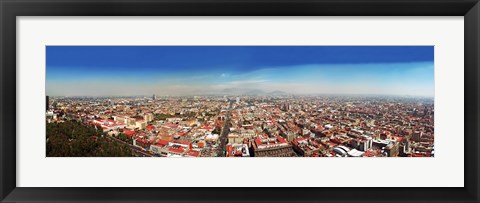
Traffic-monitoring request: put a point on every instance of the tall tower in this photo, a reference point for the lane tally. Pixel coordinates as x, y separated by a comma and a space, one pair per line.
154, 97
48, 103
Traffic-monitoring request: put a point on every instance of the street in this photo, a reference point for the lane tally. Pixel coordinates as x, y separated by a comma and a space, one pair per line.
132, 147
224, 133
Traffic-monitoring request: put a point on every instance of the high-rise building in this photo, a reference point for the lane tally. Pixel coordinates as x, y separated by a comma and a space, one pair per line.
48, 103
154, 97
238, 100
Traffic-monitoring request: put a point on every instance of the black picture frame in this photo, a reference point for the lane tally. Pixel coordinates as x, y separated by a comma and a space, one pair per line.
10, 9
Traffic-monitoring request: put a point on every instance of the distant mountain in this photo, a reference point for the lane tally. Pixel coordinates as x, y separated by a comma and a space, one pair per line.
247, 91
255, 92
233, 90
243, 91
278, 92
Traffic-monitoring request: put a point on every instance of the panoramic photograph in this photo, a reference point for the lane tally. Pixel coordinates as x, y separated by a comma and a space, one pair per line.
239, 101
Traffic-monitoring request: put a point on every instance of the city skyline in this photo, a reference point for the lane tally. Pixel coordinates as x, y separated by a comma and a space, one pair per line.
203, 70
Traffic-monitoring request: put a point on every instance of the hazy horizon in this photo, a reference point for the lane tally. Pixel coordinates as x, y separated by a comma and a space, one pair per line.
243, 95
103, 71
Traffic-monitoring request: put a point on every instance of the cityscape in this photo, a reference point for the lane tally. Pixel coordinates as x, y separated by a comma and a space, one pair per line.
240, 101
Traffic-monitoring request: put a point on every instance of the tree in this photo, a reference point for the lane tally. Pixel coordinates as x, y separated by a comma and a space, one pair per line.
75, 139
216, 131
163, 116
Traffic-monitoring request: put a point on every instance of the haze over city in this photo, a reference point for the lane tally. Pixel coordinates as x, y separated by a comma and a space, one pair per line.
239, 70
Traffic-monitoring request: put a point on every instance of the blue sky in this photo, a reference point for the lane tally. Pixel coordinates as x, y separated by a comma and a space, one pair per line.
190, 70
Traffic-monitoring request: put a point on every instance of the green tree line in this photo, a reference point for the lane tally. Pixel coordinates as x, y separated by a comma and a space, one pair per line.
74, 139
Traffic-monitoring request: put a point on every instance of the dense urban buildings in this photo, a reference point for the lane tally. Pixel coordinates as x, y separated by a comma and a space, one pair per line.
240, 101
257, 126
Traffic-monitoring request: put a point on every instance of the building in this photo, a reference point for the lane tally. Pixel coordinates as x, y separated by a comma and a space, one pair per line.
355, 153
209, 137
157, 147
193, 153
272, 147
237, 150
124, 119
341, 151
130, 122
362, 144
238, 100
154, 97
148, 117
174, 148
108, 125
291, 136
392, 149
142, 142
417, 136
140, 124
48, 103
306, 147
234, 138
50, 116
